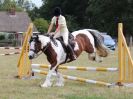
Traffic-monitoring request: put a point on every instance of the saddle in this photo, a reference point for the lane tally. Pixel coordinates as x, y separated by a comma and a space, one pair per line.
70, 42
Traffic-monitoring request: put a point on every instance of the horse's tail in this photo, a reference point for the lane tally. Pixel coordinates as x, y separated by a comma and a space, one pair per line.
103, 51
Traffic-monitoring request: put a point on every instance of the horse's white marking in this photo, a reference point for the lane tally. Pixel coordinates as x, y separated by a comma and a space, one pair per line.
31, 53
60, 80
32, 45
76, 47
61, 55
44, 40
47, 82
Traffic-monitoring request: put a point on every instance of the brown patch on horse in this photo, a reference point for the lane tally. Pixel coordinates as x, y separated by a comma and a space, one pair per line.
38, 46
84, 43
51, 55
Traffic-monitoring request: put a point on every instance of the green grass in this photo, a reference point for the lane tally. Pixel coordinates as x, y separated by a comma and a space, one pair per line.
12, 88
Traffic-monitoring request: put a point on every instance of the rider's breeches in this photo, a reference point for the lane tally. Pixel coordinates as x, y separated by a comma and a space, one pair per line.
64, 35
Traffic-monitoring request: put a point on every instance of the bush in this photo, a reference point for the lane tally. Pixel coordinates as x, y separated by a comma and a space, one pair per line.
41, 24
2, 37
11, 36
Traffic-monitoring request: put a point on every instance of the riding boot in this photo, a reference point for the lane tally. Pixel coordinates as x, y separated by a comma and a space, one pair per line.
72, 53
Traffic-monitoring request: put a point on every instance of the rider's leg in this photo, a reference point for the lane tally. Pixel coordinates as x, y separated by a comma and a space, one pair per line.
70, 49
57, 35
72, 53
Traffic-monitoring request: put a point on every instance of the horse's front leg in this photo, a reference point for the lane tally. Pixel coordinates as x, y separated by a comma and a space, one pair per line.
60, 79
47, 82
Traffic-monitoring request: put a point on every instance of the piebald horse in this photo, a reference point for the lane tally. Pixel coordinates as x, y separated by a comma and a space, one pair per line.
87, 40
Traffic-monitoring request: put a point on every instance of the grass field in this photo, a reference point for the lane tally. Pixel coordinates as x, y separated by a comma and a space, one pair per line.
12, 88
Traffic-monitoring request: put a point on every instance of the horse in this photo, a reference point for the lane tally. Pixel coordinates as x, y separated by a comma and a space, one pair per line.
87, 40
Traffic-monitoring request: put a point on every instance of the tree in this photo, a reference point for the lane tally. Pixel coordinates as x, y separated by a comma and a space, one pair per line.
6, 5
69, 7
41, 24
34, 13
25, 4
71, 23
105, 14
20, 3
102, 15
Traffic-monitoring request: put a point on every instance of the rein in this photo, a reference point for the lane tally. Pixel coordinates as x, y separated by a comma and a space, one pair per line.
36, 55
44, 49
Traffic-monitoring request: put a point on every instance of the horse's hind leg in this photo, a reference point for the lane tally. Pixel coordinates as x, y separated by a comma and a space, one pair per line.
98, 57
94, 57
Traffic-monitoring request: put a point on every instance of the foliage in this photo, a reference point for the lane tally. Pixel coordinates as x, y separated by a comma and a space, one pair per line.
19, 5
34, 14
6, 5
102, 15
71, 23
41, 24
2, 37
11, 36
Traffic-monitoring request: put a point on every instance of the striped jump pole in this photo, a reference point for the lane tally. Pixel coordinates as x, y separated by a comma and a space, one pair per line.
77, 68
75, 78
12, 48
10, 53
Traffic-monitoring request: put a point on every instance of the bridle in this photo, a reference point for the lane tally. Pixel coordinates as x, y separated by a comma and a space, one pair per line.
45, 48
41, 51
36, 54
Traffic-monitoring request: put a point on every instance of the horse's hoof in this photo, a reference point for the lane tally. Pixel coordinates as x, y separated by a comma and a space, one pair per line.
59, 84
45, 85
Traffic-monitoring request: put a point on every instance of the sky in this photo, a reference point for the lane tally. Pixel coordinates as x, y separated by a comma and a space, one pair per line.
38, 3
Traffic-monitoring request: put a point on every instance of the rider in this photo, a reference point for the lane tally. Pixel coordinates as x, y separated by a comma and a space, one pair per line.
61, 30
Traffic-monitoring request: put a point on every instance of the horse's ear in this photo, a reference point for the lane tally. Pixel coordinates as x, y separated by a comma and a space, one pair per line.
37, 38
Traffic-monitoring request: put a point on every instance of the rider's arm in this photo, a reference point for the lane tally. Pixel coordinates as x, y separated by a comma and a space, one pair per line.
50, 28
57, 30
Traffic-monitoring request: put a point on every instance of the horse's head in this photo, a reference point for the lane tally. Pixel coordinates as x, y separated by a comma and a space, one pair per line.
35, 46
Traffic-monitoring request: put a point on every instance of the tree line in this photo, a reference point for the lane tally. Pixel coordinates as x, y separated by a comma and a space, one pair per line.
103, 15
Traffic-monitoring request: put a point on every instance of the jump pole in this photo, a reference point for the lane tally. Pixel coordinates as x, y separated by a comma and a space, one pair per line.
10, 53
77, 68
12, 48
75, 78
